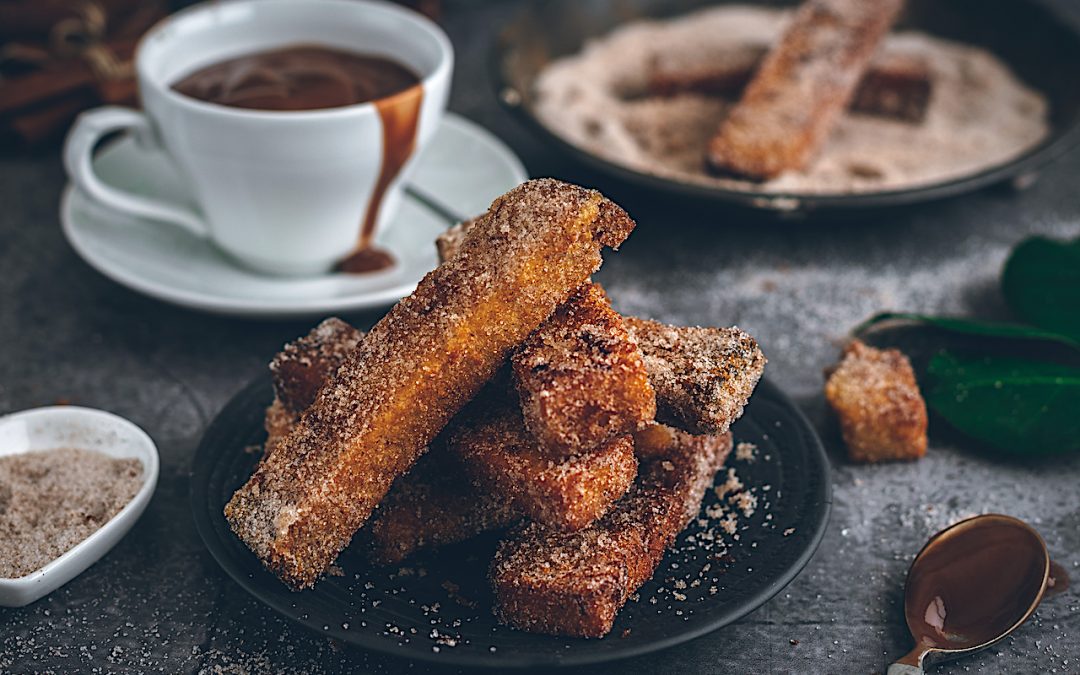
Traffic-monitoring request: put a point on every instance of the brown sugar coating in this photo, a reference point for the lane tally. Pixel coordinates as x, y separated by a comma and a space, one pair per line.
574, 583
581, 377
417, 367
433, 505
302, 366
875, 396
702, 376
801, 88
564, 494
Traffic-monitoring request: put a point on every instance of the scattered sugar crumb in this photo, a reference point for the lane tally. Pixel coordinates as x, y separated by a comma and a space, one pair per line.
746, 452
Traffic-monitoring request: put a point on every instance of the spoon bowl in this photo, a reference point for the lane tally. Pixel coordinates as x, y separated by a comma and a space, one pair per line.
971, 585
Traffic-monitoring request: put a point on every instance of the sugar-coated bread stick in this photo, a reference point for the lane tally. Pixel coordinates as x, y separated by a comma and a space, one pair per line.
300, 369
574, 583
433, 505
896, 85
581, 378
801, 88
417, 367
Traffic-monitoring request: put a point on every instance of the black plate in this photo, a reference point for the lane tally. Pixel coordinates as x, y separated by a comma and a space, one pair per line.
392, 610
1041, 46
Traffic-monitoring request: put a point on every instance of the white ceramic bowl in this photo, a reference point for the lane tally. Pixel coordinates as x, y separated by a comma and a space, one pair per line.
88, 429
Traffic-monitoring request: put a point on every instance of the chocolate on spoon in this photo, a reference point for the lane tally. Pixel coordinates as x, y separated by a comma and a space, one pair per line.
973, 584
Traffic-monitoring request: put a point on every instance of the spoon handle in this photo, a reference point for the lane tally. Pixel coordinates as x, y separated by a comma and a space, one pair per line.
904, 669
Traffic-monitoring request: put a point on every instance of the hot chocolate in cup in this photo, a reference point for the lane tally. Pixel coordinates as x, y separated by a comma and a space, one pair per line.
283, 191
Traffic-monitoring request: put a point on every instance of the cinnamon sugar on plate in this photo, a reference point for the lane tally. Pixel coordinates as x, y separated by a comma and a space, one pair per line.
979, 113
53, 499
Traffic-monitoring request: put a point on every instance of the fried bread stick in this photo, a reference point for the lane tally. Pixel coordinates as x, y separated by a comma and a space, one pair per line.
581, 378
299, 370
564, 494
702, 376
803, 85
434, 504
896, 85
417, 367
573, 584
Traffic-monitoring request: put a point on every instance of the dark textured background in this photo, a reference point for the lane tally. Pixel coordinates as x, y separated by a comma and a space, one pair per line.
158, 602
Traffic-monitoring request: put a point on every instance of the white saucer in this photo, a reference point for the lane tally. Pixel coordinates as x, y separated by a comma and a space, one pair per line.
464, 168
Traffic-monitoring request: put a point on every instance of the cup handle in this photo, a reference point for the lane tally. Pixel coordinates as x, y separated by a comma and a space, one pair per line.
89, 128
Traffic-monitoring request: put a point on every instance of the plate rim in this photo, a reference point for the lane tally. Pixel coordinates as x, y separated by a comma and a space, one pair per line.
261, 308
198, 495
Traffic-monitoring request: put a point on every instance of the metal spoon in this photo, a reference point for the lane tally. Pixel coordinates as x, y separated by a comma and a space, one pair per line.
970, 586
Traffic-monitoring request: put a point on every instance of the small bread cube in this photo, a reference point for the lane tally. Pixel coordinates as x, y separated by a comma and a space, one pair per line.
882, 415
582, 378
502, 458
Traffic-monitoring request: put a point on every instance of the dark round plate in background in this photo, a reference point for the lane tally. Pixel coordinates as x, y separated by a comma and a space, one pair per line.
1040, 45
436, 607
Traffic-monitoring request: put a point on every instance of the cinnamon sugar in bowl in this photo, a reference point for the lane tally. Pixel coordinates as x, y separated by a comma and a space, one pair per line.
72, 482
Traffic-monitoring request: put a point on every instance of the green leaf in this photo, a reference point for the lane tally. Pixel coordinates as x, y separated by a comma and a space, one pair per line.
991, 329
1041, 282
1017, 406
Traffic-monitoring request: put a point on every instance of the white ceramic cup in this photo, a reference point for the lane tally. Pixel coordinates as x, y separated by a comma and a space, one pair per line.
282, 192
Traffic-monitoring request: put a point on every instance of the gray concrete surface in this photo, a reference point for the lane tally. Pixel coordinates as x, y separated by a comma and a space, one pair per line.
159, 603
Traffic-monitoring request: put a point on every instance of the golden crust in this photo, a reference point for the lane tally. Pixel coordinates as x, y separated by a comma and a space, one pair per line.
417, 367
564, 494
581, 378
801, 88
574, 583
882, 414
702, 376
